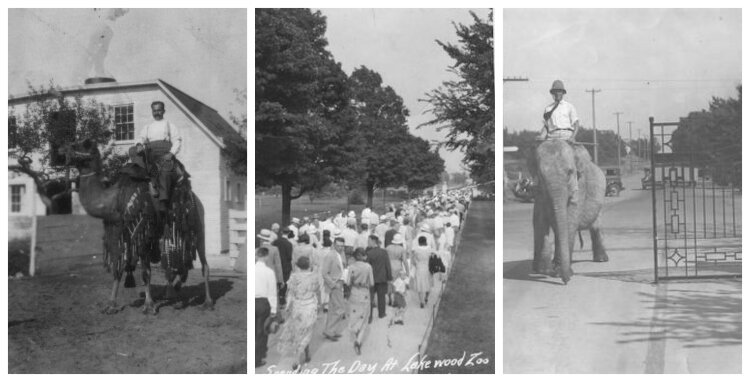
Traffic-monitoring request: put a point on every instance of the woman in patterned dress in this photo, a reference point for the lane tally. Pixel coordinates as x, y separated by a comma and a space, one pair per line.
301, 312
421, 263
360, 281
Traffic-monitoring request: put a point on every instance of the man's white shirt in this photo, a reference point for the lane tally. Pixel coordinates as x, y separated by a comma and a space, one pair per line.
162, 131
265, 284
563, 117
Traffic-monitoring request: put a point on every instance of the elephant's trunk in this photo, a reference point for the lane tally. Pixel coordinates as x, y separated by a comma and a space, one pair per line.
560, 197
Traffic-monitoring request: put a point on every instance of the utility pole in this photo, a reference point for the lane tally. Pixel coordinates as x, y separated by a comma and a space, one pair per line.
617, 113
593, 122
630, 143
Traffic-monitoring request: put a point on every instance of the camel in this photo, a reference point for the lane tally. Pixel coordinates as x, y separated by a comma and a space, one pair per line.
131, 233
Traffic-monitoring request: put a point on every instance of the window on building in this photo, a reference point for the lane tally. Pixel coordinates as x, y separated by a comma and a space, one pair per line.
16, 197
228, 191
124, 126
12, 132
239, 196
62, 126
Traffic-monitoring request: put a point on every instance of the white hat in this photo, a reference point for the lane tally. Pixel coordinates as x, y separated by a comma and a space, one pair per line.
336, 233
397, 239
275, 226
265, 234
295, 220
351, 214
425, 227
383, 218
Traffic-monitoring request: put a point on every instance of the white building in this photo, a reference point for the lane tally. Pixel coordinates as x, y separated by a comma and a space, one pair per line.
204, 133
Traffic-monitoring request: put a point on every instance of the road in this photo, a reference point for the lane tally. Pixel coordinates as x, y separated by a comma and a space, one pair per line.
611, 318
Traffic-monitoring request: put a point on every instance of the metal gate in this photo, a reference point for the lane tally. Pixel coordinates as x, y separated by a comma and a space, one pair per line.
697, 207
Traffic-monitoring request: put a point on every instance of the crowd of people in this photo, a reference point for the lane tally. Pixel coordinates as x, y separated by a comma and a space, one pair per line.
345, 266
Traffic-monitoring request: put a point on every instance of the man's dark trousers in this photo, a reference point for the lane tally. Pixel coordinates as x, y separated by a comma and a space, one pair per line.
262, 312
380, 289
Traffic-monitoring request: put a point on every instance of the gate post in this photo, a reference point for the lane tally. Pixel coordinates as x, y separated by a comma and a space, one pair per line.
653, 198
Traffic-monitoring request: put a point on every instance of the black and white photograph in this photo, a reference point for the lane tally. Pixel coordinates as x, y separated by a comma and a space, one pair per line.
127, 188
622, 191
374, 191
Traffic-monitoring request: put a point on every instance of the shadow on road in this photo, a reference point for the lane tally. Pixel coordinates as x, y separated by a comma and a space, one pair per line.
521, 270
711, 316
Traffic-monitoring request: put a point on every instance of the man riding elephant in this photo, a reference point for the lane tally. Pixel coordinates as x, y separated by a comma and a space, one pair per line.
560, 117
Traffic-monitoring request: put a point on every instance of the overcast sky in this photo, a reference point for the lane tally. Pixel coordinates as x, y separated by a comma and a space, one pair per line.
400, 45
200, 51
660, 63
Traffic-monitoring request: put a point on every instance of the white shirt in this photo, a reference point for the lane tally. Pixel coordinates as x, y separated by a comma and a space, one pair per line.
162, 130
265, 284
563, 117
455, 221
350, 237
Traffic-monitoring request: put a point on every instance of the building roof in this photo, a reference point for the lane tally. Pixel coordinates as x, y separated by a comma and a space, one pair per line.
207, 118
206, 114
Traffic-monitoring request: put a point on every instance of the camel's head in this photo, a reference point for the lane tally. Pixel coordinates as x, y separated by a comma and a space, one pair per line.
82, 155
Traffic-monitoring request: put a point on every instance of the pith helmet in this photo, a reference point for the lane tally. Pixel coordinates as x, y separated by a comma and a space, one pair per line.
558, 86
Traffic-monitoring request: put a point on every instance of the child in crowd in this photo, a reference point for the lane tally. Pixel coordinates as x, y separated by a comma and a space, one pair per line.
399, 296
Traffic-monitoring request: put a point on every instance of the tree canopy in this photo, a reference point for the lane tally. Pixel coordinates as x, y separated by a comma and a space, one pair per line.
50, 120
714, 137
300, 103
465, 108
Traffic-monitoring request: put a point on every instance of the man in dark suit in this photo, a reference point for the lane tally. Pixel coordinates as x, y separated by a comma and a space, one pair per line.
381, 272
285, 253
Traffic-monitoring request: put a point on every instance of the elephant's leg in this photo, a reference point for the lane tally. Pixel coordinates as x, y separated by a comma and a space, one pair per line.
148, 305
597, 243
542, 243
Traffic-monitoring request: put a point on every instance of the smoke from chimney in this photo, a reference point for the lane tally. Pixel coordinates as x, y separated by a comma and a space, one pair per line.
98, 45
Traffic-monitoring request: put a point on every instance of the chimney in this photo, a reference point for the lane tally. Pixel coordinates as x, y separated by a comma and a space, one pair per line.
98, 80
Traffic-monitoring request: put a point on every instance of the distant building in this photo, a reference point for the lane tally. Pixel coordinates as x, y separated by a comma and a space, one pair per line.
204, 133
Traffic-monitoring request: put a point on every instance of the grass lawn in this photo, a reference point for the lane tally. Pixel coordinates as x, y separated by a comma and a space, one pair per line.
465, 320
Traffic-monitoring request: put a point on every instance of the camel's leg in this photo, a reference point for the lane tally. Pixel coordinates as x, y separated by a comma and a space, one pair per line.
148, 305
597, 243
112, 307
209, 303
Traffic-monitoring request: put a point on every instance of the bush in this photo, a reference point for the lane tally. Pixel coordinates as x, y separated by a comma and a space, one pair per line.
18, 256
356, 198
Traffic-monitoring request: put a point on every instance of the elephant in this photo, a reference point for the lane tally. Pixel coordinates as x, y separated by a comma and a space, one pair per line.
570, 196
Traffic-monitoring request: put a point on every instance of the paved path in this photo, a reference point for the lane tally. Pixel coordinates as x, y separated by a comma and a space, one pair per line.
464, 328
611, 318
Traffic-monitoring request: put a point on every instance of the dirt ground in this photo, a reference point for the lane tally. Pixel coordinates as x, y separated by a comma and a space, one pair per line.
55, 326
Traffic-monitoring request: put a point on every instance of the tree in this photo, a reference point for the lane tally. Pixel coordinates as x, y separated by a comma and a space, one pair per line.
466, 107
300, 101
713, 138
50, 121
236, 150
426, 167
381, 138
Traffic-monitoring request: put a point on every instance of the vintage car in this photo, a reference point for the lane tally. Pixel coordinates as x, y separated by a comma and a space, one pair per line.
613, 180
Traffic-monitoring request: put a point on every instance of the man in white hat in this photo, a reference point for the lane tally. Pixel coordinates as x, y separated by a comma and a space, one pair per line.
273, 260
426, 231
350, 237
275, 227
294, 227
560, 117
381, 229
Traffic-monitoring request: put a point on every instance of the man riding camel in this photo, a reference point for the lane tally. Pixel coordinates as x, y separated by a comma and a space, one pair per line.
163, 140
560, 117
